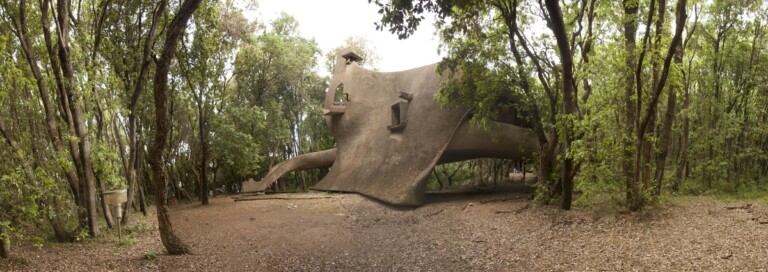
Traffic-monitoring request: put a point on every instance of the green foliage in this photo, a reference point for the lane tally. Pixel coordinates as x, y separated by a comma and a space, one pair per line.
359, 45
477, 174
718, 137
19, 202
235, 149
137, 227
750, 194
251, 90
126, 241
149, 255
82, 235
106, 164
8, 230
19, 197
402, 17
275, 101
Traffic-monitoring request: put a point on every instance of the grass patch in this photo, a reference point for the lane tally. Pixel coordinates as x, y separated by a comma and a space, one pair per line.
140, 226
751, 194
149, 255
682, 200
126, 240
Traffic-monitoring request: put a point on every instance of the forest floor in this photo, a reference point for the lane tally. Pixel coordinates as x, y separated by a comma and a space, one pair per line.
491, 231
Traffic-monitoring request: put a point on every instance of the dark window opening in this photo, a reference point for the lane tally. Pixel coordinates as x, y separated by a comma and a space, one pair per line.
399, 114
340, 97
396, 114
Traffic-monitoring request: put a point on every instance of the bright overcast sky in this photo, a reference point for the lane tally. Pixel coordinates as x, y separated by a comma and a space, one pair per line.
331, 22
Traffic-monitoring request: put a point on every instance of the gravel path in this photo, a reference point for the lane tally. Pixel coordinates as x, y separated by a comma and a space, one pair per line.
454, 232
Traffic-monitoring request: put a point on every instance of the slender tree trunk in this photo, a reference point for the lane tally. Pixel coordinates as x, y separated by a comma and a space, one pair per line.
19, 25
91, 63
682, 160
141, 80
647, 155
569, 98
666, 133
77, 114
107, 212
633, 194
440, 183
680, 17
140, 180
84, 192
5, 246
303, 179
64, 108
53, 217
548, 143
546, 166
202, 123
142, 198
642, 145
172, 243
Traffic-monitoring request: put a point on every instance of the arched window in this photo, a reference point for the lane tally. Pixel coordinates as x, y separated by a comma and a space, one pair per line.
340, 98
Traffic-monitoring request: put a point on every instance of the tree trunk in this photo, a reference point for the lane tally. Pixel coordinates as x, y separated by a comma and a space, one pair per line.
666, 138
666, 133
172, 243
650, 156
107, 212
140, 181
77, 114
680, 17
682, 161
84, 193
142, 198
64, 109
546, 165
5, 245
569, 98
202, 116
141, 80
215, 179
548, 143
437, 178
633, 194
303, 179
20, 25
647, 155
56, 223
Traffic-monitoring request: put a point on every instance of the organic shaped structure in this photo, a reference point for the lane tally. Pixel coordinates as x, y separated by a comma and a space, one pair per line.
390, 133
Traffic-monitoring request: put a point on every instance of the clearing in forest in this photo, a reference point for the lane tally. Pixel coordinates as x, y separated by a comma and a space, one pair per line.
491, 231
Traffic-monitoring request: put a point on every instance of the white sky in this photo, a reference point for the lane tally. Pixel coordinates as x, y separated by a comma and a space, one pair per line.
331, 22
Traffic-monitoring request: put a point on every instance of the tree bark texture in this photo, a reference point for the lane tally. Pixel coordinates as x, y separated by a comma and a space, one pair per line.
141, 80
5, 246
63, 7
633, 196
172, 243
666, 133
19, 25
680, 17
569, 97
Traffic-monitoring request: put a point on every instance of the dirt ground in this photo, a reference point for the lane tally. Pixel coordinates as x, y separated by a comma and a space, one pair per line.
498, 231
